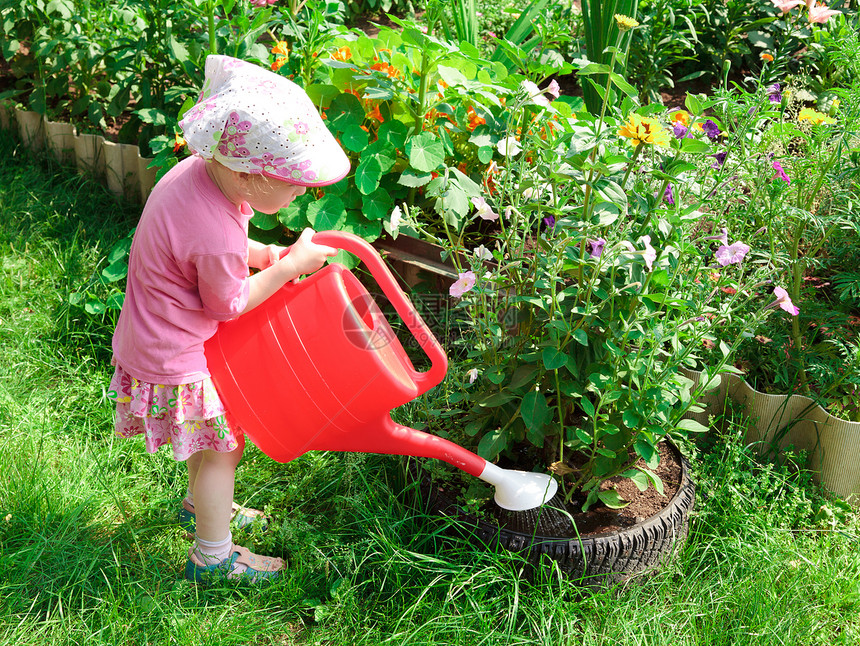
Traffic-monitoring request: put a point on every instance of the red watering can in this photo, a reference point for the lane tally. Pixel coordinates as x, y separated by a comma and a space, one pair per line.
318, 367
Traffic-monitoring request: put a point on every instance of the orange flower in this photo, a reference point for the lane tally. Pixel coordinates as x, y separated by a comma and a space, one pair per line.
281, 47
380, 67
178, 143
375, 114
442, 85
342, 54
279, 63
681, 116
392, 72
766, 57
474, 119
462, 166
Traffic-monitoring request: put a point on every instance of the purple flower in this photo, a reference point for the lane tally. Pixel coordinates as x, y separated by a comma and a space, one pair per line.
780, 173
711, 129
596, 247
668, 196
732, 254
549, 222
681, 131
720, 159
774, 95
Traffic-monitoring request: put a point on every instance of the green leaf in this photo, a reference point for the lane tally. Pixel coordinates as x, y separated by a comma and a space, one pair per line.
612, 499
377, 205
393, 133
694, 146
646, 451
451, 76
553, 358
693, 105
639, 478
492, 443
587, 406
265, 221
496, 375
426, 153
412, 179
581, 337
692, 426
354, 138
368, 174
326, 213
534, 410
115, 271
632, 420
345, 111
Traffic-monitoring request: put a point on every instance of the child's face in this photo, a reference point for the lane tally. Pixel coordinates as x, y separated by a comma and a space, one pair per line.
270, 195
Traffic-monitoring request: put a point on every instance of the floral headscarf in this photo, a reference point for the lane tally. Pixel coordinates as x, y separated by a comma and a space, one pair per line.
254, 121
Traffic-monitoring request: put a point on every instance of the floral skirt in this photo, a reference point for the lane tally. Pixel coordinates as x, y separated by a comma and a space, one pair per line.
189, 417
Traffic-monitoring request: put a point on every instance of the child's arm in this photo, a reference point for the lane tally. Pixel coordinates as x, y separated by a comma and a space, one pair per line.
305, 257
262, 256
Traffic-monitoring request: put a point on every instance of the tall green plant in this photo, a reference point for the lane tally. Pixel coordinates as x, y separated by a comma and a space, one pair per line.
606, 43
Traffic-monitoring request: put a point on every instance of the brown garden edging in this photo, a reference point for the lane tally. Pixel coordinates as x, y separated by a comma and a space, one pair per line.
832, 443
119, 166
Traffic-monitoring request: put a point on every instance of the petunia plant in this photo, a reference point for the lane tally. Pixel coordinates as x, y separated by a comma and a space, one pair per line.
593, 294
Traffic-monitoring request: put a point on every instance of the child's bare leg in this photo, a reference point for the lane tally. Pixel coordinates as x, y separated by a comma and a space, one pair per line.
193, 465
213, 492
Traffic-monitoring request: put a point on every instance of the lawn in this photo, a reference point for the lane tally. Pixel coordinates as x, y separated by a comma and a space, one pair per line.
90, 552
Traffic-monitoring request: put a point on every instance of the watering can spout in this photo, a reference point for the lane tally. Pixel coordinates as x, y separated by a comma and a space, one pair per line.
515, 490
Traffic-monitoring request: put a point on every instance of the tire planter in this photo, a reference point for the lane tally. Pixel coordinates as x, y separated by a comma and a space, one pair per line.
596, 560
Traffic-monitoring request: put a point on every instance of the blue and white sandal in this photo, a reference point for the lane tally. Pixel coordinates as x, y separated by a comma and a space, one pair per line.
242, 517
258, 569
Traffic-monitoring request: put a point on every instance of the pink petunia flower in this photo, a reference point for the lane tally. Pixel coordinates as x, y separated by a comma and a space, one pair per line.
465, 281
650, 254
780, 173
473, 375
731, 254
554, 89
784, 301
723, 237
484, 210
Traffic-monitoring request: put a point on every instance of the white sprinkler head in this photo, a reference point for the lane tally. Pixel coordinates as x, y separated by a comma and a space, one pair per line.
519, 490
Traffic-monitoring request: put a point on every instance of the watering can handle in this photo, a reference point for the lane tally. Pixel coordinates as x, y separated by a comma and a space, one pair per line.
373, 261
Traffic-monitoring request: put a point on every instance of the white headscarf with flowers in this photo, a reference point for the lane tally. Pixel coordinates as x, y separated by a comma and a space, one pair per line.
255, 121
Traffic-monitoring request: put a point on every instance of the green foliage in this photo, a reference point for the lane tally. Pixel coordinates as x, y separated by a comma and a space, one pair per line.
605, 43
665, 38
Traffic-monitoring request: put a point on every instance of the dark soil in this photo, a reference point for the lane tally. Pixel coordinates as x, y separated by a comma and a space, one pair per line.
599, 519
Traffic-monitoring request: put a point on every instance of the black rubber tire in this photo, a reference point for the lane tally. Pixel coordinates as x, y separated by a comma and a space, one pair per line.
598, 560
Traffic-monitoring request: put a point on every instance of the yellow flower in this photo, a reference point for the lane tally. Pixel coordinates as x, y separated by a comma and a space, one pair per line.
644, 130
625, 23
814, 116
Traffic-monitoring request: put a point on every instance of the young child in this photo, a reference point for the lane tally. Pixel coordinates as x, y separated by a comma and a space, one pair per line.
258, 142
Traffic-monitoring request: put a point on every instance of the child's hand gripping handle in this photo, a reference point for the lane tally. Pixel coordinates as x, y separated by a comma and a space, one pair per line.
372, 260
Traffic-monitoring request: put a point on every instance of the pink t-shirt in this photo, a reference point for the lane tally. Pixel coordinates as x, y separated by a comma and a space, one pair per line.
187, 270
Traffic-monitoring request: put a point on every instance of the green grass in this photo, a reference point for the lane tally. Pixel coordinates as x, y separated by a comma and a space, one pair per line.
90, 553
